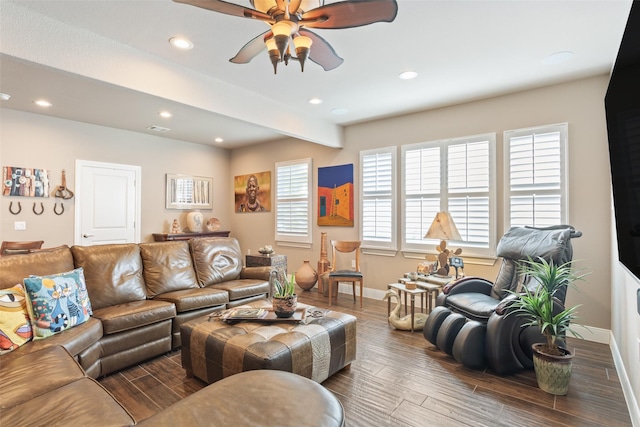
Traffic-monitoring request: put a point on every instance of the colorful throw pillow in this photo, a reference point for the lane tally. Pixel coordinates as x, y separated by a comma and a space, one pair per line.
15, 325
57, 302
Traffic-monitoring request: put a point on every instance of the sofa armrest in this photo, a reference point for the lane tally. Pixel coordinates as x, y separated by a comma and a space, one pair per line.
259, 273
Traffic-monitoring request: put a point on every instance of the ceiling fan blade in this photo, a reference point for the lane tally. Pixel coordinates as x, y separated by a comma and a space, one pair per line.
251, 49
321, 51
349, 14
228, 8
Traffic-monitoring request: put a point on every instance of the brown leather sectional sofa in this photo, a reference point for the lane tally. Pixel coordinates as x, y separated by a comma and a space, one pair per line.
140, 295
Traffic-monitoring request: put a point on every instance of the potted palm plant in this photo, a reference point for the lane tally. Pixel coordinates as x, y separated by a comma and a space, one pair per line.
285, 300
540, 306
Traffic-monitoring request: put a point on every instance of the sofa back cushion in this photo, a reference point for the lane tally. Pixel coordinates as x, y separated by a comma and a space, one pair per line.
167, 267
113, 273
14, 268
216, 259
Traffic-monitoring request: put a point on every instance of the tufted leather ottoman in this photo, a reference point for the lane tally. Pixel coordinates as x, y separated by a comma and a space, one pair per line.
316, 348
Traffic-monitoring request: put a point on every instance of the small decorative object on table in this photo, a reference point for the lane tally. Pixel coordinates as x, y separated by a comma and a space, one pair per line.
175, 227
285, 300
266, 250
213, 224
194, 222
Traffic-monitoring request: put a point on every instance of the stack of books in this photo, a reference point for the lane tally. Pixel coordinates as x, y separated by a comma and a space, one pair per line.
246, 313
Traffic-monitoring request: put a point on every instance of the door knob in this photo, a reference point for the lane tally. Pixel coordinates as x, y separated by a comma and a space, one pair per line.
88, 235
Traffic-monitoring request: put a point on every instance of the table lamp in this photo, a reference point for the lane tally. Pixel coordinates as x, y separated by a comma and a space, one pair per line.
444, 228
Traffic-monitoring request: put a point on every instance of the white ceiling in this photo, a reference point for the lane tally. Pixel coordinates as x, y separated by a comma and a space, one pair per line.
108, 62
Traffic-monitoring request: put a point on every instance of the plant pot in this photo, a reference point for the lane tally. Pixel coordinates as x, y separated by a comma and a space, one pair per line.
552, 372
285, 307
306, 276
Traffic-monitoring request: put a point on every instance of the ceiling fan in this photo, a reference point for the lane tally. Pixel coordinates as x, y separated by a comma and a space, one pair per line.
289, 20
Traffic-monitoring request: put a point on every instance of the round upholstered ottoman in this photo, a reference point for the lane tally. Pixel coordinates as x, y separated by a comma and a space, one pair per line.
255, 398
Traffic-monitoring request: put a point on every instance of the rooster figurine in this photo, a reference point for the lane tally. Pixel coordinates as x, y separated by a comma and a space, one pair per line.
404, 323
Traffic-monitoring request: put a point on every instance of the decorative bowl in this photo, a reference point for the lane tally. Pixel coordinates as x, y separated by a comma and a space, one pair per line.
265, 252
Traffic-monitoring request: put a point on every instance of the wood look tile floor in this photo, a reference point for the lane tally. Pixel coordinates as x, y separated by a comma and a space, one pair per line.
400, 379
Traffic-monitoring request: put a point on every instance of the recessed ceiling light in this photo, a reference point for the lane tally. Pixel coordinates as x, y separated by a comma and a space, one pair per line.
165, 114
219, 140
339, 111
181, 43
315, 101
5, 96
42, 103
557, 58
156, 128
408, 75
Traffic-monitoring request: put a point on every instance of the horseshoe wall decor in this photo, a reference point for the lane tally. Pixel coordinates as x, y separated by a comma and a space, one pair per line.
55, 208
41, 208
11, 208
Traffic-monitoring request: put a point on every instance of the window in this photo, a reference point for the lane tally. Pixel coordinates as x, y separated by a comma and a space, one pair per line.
293, 202
535, 176
378, 199
455, 175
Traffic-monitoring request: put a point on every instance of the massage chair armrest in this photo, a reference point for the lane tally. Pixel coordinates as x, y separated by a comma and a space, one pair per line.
468, 284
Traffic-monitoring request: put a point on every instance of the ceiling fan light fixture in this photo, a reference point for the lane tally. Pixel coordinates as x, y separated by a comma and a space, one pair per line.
274, 53
302, 45
282, 31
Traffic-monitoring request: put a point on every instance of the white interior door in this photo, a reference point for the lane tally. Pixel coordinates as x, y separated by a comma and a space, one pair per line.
107, 203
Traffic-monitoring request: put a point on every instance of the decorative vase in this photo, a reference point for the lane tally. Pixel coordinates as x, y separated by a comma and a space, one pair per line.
194, 222
285, 307
306, 276
552, 372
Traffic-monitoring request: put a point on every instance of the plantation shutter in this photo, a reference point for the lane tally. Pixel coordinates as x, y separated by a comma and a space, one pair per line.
536, 193
378, 198
293, 204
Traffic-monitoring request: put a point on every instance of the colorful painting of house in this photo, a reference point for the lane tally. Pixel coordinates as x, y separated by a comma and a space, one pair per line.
335, 196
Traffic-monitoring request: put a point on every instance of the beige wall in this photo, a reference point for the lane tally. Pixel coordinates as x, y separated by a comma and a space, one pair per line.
32, 140
578, 103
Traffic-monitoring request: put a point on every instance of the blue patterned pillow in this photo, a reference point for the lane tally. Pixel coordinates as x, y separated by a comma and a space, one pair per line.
57, 302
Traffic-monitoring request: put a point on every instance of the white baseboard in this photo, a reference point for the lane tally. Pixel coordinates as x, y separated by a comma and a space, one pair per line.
632, 402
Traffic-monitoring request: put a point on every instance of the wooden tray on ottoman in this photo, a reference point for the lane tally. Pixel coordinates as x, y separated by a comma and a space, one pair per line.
299, 315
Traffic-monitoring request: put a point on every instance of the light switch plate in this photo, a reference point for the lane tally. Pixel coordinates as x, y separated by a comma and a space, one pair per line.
20, 225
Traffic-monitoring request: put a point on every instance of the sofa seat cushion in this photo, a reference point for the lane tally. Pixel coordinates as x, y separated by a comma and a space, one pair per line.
167, 267
81, 403
49, 368
473, 305
243, 288
113, 273
74, 340
131, 315
216, 260
13, 269
194, 299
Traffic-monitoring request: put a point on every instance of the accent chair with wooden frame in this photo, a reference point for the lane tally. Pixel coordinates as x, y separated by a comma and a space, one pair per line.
353, 275
14, 248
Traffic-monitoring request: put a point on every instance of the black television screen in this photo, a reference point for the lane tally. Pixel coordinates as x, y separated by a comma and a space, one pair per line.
622, 104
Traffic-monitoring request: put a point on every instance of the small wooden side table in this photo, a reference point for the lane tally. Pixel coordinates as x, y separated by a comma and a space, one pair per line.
433, 284
401, 288
279, 262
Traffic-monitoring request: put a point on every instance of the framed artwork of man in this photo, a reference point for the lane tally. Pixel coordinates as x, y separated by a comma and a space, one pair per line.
252, 192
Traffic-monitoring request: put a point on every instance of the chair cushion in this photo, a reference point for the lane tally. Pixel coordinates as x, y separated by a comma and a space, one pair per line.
473, 305
346, 273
